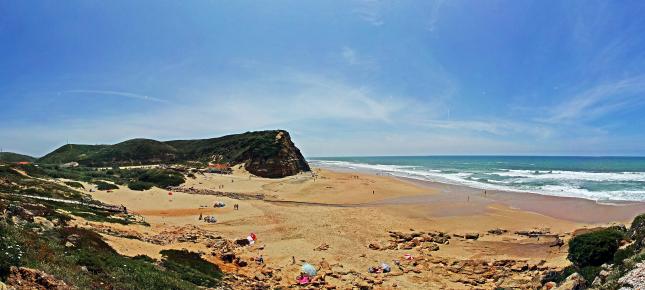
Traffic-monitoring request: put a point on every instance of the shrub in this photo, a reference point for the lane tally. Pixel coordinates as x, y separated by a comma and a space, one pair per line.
191, 267
162, 178
74, 184
140, 185
595, 248
102, 185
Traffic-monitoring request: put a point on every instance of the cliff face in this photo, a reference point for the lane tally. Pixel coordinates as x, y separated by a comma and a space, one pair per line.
287, 161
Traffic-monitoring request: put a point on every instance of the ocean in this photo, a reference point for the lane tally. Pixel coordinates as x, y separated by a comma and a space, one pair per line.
595, 178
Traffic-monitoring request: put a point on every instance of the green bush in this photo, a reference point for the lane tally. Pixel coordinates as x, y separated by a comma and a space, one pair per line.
623, 254
162, 178
191, 267
140, 185
74, 184
595, 248
102, 185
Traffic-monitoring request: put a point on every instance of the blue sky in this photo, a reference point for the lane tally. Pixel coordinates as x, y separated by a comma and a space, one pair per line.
344, 77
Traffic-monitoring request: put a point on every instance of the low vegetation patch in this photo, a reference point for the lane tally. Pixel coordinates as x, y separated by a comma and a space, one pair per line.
192, 267
74, 184
140, 185
102, 185
82, 259
595, 248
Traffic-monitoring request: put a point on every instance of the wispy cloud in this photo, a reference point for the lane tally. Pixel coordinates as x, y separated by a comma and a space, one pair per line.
370, 12
349, 55
115, 93
353, 58
600, 100
433, 17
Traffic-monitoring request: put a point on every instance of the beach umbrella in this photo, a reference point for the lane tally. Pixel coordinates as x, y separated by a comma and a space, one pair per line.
253, 236
308, 269
169, 193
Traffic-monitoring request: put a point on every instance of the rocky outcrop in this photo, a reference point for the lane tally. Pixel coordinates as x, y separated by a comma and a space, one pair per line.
634, 279
287, 161
26, 278
574, 282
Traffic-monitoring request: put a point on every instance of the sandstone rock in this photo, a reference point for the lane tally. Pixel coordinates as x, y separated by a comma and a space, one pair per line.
322, 247
497, 231
549, 285
519, 267
44, 223
471, 236
69, 244
431, 247
374, 246
26, 278
442, 240
228, 257
574, 282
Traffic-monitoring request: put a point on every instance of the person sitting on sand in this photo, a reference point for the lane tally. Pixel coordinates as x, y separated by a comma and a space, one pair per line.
303, 279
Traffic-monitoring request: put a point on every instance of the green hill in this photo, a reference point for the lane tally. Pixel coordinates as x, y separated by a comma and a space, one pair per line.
15, 157
265, 153
71, 152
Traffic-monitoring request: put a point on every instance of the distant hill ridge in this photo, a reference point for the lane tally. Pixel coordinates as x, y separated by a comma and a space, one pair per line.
15, 157
264, 153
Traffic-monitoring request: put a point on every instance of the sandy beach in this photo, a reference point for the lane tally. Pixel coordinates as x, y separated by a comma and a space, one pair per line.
350, 210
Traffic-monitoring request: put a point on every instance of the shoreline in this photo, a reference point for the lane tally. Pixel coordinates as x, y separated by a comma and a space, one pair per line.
575, 209
365, 168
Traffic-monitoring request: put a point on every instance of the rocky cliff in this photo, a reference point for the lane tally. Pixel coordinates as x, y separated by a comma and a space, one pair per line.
264, 153
285, 162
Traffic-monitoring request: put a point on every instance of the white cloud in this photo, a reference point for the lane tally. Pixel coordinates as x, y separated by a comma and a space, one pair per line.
433, 17
599, 101
349, 55
353, 58
115, 93
370, 11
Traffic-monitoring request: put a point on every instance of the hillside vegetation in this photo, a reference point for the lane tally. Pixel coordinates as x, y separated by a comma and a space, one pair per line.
266, 153
10, 157
37, 237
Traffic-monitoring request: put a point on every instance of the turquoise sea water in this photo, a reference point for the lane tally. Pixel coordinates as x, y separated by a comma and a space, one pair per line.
596, 178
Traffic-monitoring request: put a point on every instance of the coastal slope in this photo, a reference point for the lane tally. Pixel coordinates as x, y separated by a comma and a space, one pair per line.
15, 157
264, 153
